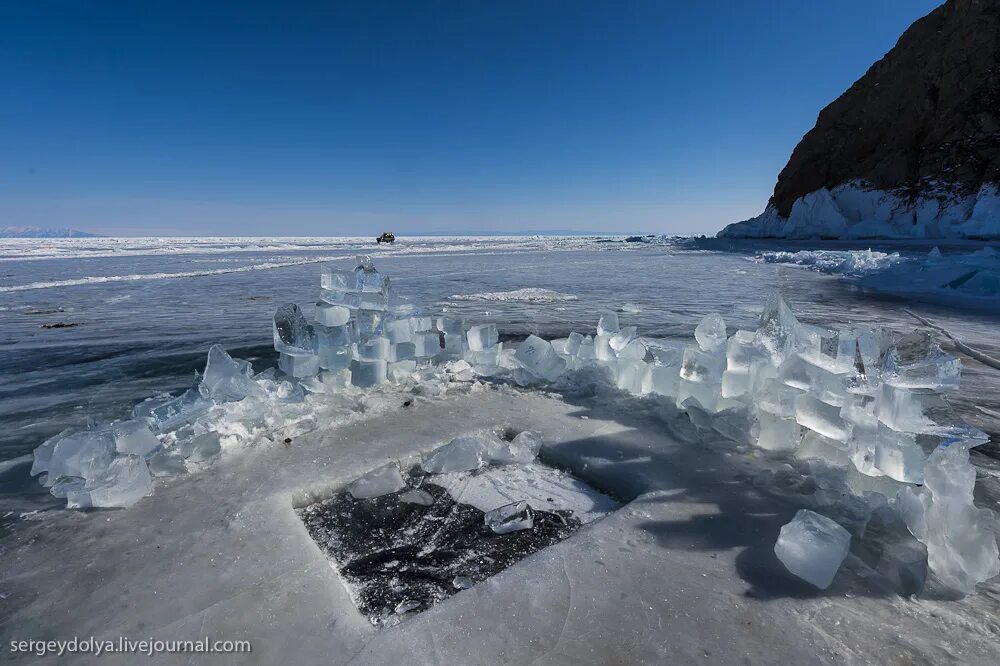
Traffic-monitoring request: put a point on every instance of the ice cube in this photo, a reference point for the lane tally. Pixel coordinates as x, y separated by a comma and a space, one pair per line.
777, 433
454, 345
711, 332
702, 366
369, 322
42, 454
398, 330
608, 324
365, 374
525, 446
482, 337
812, 547
298, 364
124, 482
336, 336
292, 333
573, 343
400, 370
663, 380
602, 348
337, 279
382, 481
427, 344
815, 445
85, 454
630, 376
705, 394
450, 326
460, 371
538, 357
369, 280
375, 348
510, 518
134, 437
347, 299
402, 351
914, 362
173, 412
332, 315
421, 324
486, 358
586, 351
740, 351
460, 454
777, 324
735, 383
335, 359
821, 417
622, 338
225, 379
201, 447
634, 350
906, 410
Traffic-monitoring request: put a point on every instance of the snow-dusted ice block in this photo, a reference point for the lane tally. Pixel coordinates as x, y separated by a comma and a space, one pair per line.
812, 547
711, 332
332, 315
382, 481
134, 437
538, 357
365, 374
298, 364
125, 481
292, 332
460, 454
510, 518
483, 337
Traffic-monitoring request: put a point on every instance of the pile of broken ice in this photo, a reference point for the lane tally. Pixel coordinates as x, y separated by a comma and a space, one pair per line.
849, 399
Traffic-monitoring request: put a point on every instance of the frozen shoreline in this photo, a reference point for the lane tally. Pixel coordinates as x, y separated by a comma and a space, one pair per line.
684, 571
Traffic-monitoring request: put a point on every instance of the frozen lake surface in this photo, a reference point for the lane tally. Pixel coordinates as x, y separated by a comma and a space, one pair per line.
684, 571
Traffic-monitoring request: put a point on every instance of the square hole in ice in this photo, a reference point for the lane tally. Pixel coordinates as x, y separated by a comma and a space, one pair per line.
401, 552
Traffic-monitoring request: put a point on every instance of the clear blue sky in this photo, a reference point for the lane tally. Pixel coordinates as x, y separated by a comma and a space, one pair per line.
327, 118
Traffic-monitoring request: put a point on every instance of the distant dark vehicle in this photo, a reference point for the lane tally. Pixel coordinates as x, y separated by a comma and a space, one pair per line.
386, 237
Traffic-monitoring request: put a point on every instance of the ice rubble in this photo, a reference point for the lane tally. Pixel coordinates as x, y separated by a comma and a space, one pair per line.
855, 210
852, 399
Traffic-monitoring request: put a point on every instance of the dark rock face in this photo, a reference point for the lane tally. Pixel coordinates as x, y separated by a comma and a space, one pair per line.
925, 116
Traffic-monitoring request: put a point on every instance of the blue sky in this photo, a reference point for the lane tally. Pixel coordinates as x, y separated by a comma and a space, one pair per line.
327, 118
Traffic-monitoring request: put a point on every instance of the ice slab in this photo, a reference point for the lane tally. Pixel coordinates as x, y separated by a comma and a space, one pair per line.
298, 364
85, 454
812, 547
608, 324
226, 379
382, 481
365, 374
332, 315
510, 518
482, 337
711, 332
537, 357
134, 437
292, 332
460, 454
125, 481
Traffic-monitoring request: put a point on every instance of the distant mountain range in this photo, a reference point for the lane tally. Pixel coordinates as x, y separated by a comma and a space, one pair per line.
39, 232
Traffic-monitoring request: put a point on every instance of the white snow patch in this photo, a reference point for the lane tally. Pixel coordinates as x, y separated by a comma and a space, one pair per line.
527, 295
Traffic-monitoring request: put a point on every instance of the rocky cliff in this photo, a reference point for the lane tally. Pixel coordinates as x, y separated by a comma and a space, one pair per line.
912, 149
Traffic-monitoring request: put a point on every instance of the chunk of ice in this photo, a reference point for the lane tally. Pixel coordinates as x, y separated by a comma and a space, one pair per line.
522, 449
167, 462
417, 496
450, 326
335, 359
382, 481
402, 351
460, 454
298, 364
336, 336
123, 483
85, 454
622, 338
134, 437
812, 547
375, 348
608, 324
292, 332
821, 417
915, 362
711, 332
777, 433
486, 358
573, 343
225, 379
332, 315
663, 380
201, 447
365, 374
337, 279
483, 337
776, 329
427, 344
398, 330
510, 518
538, 358
634, 350
702, 366
631, 376
173, 412
369, 322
